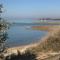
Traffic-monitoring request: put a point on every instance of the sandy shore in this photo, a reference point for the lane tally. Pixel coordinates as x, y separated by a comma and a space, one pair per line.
22, 49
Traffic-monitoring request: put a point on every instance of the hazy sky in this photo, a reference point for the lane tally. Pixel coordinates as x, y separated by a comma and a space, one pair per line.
31, 8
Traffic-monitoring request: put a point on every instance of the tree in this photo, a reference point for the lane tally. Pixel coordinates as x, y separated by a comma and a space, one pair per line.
3, 31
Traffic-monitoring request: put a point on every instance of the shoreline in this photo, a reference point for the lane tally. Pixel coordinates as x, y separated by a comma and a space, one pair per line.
40, 47
43, 28
35, 43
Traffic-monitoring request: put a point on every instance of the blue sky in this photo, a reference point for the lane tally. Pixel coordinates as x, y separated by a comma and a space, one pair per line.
31, 8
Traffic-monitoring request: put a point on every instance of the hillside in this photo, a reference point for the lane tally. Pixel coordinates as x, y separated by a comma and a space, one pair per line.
49, 46
51, 42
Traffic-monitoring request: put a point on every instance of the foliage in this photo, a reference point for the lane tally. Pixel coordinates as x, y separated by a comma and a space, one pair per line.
24, 56
3, 34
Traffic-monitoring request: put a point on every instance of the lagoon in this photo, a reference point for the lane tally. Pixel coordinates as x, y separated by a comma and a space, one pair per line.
23, 34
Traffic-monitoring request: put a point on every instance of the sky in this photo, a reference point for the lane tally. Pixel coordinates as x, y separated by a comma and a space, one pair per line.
31, 8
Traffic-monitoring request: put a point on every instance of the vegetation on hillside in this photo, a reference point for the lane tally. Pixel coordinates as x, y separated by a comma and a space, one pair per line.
50, 43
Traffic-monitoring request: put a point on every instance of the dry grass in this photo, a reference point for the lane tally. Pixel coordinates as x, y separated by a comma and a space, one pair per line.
51, 42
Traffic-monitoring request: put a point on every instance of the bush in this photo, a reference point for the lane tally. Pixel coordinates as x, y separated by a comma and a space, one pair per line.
25, 56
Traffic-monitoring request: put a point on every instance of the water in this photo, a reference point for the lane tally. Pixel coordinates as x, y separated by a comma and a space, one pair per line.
20, 32
22, 35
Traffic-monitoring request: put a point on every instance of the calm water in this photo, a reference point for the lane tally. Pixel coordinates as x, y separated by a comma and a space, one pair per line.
22, 35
